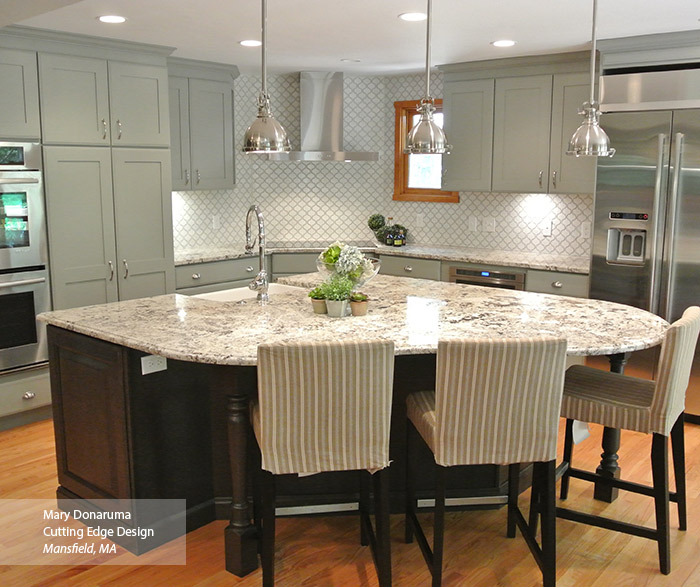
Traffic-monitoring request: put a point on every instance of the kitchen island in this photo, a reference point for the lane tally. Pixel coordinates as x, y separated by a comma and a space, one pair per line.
126, 429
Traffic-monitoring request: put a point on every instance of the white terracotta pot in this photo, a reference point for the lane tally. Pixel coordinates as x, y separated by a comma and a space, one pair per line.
337, 308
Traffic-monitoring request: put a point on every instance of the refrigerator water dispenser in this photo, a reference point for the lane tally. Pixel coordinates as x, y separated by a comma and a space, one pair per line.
626, 246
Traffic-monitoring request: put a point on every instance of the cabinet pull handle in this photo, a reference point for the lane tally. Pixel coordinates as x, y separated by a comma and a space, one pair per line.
249, 269
126, 268
557, 284
187, 176
104, 129
119, 129
198, 176
540, 178
554, 179
196, 276
28, 395
408, 268
111, 270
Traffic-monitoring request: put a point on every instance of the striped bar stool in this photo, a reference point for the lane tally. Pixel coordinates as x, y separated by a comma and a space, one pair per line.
496, 401
629, 403
326, 406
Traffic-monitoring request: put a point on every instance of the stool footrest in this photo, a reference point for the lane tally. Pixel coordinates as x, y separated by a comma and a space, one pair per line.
607, 523
619, 483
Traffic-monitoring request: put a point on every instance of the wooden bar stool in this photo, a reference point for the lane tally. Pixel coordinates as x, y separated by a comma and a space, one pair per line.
496, 401
629, 403
326, 406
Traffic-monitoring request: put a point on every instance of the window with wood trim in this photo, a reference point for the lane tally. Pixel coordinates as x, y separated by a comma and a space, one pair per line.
417, 178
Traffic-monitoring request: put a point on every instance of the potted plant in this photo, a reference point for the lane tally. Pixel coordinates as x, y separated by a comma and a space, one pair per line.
337, 290
318, 299
358, 303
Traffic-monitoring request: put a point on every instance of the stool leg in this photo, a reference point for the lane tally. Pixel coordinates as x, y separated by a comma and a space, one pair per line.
568, 453
513, 479
364, 506
678, 450
439, 525
535, 500
659, 468
411, 439
547, 486
381, 513
267, 553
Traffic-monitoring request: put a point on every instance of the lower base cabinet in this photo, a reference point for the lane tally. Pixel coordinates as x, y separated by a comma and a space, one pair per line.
25, 396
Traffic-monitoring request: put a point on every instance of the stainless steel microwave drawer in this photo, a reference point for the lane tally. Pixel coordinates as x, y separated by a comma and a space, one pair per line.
215, 272
410, 267
565, 284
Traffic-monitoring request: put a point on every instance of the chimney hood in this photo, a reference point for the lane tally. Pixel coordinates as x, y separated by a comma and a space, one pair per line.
321, 99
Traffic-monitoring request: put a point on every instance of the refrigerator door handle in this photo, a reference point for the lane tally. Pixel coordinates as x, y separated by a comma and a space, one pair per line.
656, 215
671, 225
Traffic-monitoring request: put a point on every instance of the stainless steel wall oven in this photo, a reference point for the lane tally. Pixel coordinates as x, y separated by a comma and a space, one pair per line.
24, 277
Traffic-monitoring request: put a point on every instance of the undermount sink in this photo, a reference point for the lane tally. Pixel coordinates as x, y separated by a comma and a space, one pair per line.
244, 293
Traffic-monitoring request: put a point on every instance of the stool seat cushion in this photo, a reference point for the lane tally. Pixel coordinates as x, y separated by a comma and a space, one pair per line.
609, 399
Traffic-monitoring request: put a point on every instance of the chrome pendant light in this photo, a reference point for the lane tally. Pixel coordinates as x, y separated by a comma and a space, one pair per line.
426, 137
265, 135
590, 139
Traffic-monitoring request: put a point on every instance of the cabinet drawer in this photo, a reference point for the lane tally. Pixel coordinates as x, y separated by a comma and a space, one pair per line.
291, 263
410, 267
217, 271
24, 390
565, 284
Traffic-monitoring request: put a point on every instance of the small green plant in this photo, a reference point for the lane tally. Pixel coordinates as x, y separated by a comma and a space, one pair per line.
358, 296
338, 288
332, 253
376, 221
318, 293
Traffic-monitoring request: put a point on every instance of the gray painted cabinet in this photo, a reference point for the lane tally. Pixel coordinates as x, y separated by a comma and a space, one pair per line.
90, 101
19, 95
201, 121
110, 224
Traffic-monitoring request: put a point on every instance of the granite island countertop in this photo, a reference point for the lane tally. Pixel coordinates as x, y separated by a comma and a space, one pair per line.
546, 262
414, 313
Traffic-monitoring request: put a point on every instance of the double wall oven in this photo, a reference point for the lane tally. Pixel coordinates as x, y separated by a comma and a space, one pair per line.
24, 275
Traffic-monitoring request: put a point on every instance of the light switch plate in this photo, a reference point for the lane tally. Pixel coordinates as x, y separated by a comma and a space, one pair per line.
585, 229
488, 224
472, 224
547, 228
153, 364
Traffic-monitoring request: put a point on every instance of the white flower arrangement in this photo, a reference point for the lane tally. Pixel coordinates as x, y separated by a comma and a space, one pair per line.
347, 260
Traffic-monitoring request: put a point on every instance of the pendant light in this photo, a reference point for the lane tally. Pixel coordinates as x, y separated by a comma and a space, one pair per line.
590, 139
265, 135
426, 137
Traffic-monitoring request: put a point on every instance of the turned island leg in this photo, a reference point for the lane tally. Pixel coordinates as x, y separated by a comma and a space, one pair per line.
611, 444
241, 539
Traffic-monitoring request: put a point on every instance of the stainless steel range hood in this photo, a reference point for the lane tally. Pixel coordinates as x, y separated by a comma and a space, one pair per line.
321, 99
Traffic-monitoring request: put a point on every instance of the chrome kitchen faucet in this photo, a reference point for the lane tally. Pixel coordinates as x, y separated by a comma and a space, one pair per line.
261, 281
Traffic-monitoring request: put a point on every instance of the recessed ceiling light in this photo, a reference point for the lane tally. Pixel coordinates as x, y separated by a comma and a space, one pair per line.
111, 19
346, 60
413, 16
503, 43
251, 43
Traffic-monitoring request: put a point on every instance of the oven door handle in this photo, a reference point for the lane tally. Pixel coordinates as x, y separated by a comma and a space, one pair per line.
22, 282
16, 180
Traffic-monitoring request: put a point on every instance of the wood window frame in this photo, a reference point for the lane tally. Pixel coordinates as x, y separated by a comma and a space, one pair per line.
404, 111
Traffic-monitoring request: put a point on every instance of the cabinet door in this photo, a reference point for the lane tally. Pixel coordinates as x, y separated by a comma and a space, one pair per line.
138, 99
81, 225
468, 108
19, 95
521, 133
567, 174
211, 134
74, 100
144, 227
179, 132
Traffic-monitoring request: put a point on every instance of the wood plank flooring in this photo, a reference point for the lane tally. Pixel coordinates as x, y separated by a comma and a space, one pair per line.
326, 552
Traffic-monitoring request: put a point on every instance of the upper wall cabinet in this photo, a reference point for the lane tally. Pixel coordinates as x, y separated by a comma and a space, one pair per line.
89, 101
19, 95
201, 125
510, 131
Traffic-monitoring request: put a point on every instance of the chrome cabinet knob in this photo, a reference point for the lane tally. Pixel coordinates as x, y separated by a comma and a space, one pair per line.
104, 129
27, 395
187, 176
539, 179
408, 268
119, 129
126, 269
557, 284
554, 179
196, 276
249, 269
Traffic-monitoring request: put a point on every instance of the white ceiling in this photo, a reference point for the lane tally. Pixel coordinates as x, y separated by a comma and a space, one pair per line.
317, 34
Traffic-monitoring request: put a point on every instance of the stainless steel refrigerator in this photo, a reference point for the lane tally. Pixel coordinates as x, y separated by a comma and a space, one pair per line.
646, 238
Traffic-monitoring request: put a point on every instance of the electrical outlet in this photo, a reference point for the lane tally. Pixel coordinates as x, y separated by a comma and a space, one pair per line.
153, 364
216, 222
547, 228
420, 220
473, 224
488, 224
585, 229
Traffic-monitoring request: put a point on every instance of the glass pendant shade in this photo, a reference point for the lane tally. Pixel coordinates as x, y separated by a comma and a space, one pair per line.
426, 137
590, 139
265, 135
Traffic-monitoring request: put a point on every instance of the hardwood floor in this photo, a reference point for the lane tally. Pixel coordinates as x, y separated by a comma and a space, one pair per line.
326, 552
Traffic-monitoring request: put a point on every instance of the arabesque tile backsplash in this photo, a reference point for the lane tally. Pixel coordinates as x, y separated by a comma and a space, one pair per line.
329, 201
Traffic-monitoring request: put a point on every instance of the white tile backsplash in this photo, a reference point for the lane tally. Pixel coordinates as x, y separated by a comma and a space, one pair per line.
328, 200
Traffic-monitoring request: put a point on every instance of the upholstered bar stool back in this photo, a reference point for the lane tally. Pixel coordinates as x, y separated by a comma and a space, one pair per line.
630, 403
496, 401
325, 406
